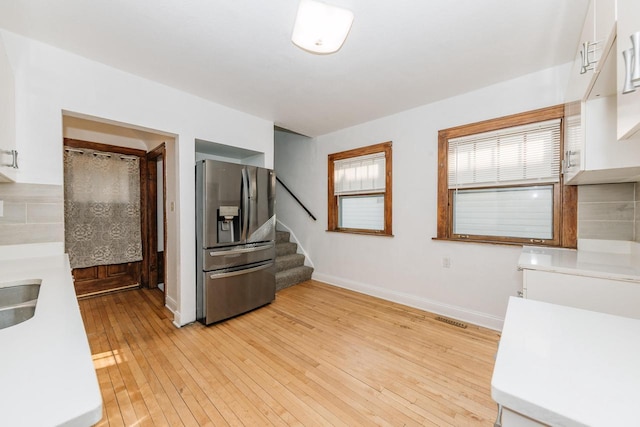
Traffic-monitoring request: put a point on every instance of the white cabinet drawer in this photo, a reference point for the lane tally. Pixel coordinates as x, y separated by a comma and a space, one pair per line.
616, 297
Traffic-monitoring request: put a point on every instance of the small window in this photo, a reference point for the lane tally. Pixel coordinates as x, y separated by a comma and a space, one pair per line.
500, 181
360, 190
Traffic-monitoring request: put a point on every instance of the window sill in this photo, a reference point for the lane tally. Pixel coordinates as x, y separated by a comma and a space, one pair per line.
484, 242
494, 242
363, 232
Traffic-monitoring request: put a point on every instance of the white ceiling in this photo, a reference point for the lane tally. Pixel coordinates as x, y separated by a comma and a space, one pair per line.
399, 54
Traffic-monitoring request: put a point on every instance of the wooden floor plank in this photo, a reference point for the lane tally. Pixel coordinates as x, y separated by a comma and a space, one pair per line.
406, 364
189, 365
370, 361
244, 387
318, 355
328, 372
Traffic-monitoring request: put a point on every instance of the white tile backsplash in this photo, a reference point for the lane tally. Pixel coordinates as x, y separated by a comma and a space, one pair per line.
608, 212
33, 213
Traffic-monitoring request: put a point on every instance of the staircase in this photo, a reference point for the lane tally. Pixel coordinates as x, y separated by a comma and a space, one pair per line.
290, 268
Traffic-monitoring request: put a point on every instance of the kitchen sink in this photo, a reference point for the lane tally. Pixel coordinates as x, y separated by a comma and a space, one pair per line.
18, 302
17, 294
10, 316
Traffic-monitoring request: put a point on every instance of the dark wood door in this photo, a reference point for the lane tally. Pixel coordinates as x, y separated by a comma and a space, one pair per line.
107, 278
152, 223
156, 259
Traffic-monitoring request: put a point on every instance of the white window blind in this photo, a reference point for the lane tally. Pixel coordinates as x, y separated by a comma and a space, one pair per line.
524, 212
362, 174
362, 212
528, 154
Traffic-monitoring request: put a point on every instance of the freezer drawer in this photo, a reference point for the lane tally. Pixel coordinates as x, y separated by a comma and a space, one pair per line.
219, 258
235, 291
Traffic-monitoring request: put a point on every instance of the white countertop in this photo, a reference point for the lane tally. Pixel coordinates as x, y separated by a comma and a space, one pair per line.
47, 375
618, 266
566, 366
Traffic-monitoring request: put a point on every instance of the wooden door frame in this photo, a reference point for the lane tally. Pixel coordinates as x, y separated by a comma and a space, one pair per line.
151, 209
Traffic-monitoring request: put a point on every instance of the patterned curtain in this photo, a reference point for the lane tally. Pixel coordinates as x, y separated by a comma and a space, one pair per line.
102, 208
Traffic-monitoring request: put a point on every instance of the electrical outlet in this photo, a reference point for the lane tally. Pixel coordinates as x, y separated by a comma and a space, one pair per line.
446, 262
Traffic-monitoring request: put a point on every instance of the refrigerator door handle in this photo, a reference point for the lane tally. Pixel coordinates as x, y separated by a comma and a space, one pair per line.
239, 272
242, 251
245, 204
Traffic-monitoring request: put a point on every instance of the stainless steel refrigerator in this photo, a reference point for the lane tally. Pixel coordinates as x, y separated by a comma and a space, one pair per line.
235, 237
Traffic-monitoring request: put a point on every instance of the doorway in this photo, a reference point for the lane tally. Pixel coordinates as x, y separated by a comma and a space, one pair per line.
161, 149
105, 229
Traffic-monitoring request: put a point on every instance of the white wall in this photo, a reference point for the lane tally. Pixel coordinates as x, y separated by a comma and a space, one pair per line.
407, 268
92, 131
49, 81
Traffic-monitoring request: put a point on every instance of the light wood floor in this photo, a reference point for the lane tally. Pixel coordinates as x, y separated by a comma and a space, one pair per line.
318, 355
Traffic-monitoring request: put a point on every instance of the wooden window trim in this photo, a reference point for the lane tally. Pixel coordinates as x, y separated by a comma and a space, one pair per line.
332, 202
565, 209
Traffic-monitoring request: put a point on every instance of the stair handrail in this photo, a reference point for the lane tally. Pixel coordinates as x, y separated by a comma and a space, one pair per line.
295, 198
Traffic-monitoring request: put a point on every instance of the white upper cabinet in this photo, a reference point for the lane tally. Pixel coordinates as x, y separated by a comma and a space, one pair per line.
628, 103
592, 152
7, 117
598, 34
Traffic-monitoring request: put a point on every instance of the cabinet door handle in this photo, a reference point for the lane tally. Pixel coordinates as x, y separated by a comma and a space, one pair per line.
635, 45
587, 64
568, 155
498, 422
632, 65
14, 158
628, 70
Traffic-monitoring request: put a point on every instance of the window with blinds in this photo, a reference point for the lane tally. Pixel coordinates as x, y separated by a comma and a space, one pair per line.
527, 154
518, 156
362, 174
359, 190
503, 184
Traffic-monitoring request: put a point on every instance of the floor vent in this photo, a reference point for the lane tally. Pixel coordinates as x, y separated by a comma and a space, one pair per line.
452, 322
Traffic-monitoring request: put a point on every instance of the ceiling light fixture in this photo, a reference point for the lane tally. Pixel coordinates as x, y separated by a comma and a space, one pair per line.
321, 28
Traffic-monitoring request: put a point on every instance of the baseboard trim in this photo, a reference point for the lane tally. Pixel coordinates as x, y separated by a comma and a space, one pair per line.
108, 291
172, 305
456, 312
176, 319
